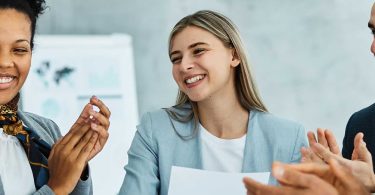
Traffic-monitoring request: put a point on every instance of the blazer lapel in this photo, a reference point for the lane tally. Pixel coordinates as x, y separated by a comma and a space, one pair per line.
191, 155
248, 159
36, 128
255, 154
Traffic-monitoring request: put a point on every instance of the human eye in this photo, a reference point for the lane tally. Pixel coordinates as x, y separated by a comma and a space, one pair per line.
198, 51
20, 50
176, 60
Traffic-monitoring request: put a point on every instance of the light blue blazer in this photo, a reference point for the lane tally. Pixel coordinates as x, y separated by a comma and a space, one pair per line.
156, 147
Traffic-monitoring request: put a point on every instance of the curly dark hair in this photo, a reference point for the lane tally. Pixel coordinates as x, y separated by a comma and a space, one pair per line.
31, 8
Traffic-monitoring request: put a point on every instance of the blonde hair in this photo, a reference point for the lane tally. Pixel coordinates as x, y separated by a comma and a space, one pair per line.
224, 29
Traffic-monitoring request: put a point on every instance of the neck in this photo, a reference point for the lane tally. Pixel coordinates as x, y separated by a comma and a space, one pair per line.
223, 115
11, 106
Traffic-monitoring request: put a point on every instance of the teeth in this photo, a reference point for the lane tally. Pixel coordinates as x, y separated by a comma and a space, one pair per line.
194, 79
5, 79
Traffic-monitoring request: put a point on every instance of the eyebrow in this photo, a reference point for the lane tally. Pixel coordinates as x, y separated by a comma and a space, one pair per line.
190, 46
196, 44
22, 40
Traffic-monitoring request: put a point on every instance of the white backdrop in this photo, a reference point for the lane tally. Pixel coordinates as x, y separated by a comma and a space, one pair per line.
66, 71
311, 59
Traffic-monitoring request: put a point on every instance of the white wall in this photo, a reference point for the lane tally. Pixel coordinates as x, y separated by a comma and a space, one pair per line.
311, 58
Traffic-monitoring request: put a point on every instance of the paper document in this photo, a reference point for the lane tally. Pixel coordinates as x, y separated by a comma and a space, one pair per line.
187, 181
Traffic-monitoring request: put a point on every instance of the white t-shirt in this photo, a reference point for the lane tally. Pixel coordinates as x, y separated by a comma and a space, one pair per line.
15, 171
224, 155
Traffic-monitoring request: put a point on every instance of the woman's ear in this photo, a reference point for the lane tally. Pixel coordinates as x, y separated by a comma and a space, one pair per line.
235, 59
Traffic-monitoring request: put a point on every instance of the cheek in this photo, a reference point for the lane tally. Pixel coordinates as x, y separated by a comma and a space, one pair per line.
220, 67
24, 65
222, 75
175, 73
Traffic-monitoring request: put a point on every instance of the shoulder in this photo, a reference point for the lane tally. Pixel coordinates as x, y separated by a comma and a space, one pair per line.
31, 118
162, 126
154, 118
365, 115
44, 127
360, 121
277, 130
281, 139
274, 123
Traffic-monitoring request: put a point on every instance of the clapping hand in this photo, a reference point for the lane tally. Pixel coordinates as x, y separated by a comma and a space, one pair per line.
70, 155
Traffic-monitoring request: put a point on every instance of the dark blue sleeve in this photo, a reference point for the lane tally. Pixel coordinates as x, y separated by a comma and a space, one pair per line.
348, 142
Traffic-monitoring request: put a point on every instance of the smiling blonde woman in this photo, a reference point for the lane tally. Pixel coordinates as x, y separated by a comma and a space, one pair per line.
219, 122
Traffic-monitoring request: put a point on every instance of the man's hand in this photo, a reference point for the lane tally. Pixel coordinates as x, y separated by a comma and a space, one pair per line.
309, 179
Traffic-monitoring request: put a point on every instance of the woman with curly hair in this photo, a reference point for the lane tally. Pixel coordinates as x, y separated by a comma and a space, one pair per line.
28, 162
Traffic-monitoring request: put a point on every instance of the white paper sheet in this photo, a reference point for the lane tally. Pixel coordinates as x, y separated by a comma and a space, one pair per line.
187, 181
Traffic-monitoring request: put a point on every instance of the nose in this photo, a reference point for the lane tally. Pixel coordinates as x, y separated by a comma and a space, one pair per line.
5, 60
187, 64
373, 46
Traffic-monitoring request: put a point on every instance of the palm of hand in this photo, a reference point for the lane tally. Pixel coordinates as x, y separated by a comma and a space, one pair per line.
361, 170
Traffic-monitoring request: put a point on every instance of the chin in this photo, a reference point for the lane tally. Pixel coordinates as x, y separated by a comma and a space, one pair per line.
196, 97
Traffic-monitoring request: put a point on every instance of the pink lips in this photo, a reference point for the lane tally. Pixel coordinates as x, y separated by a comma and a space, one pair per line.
6, 81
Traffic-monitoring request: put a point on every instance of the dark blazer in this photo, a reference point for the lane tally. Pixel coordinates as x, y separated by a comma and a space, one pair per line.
361, 121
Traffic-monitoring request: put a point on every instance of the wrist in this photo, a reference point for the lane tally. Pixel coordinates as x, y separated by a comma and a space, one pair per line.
56, 189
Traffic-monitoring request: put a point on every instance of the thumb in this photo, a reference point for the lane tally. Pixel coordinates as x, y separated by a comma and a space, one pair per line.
291, 177
360, 151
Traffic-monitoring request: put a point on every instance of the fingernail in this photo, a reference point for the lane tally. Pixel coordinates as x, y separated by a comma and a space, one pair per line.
96, 109
92, 113
94, 97
278, 171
